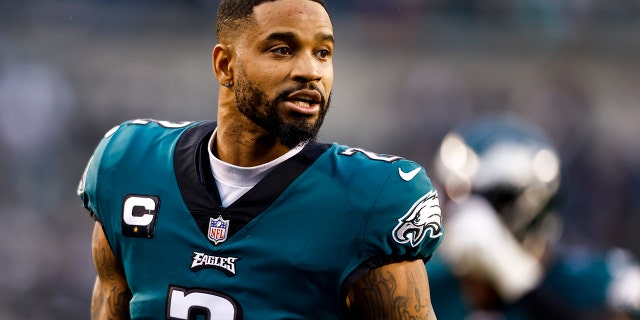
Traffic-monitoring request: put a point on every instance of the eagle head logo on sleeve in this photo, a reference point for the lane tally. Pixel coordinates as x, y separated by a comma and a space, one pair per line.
423, 218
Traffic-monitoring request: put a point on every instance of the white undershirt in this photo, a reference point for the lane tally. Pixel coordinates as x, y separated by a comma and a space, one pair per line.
234, 181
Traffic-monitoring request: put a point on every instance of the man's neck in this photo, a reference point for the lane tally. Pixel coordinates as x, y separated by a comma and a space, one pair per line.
244, 144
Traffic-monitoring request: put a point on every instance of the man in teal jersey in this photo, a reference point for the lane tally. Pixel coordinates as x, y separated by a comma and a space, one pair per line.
248, 217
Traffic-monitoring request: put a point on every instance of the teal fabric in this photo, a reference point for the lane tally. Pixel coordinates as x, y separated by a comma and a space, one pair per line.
292, 261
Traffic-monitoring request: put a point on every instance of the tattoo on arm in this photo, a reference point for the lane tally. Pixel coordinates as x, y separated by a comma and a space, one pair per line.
111, 294
118, 300
387, 294
97, 301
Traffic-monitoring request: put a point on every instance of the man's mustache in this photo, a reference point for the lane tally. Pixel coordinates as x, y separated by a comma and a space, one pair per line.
284, 94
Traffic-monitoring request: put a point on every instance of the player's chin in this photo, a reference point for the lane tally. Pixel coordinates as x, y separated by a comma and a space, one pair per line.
302, 121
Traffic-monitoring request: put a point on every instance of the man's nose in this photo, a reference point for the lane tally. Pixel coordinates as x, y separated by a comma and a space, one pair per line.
307, 68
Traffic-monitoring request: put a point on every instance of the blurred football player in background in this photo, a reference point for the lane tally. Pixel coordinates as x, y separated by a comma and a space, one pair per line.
502, 258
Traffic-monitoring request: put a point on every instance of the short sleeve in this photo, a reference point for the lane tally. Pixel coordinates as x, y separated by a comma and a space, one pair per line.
405, 222
87, 188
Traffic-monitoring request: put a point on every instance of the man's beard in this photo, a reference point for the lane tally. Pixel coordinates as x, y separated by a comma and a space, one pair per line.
289, 132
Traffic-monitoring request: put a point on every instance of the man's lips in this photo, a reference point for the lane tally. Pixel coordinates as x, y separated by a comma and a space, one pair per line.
304, 101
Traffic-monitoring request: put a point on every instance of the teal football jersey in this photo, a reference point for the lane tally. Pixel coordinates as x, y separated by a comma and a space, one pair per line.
290, 248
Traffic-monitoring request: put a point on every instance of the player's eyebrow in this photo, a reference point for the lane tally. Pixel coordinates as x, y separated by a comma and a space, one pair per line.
322, 37
281, 36
291, 37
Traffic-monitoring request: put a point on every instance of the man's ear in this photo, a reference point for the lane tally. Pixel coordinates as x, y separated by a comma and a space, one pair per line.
221, 59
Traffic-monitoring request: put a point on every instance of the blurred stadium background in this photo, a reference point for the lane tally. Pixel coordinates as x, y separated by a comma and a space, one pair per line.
406, 72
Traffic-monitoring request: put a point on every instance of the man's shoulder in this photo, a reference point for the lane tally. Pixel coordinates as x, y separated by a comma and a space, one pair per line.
356, 156
152, 128
400, 205
358, 168
145, 133
132, 150
360, 159
139, 140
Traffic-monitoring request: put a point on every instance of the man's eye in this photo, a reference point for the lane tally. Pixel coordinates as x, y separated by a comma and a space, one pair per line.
282, 51
323, 54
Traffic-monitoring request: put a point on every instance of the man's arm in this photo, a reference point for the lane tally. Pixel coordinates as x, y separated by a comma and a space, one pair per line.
111, 294
394, 291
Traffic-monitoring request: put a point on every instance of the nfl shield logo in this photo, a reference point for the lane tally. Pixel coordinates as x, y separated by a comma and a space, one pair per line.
218, 229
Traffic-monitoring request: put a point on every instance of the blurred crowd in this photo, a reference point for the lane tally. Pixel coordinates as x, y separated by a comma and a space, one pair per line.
407, 71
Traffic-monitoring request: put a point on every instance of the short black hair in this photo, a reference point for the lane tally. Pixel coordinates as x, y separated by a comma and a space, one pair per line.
231, 13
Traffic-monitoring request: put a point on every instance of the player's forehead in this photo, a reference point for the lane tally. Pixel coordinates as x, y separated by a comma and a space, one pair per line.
298, 16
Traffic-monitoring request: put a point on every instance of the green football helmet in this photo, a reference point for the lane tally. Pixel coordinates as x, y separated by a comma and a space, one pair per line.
508, 161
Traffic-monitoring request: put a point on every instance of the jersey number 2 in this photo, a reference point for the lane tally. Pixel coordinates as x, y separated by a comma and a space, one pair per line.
185, 304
